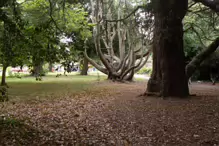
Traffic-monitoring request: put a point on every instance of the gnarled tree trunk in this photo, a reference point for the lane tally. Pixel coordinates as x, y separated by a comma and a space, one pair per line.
119, 42
168, 76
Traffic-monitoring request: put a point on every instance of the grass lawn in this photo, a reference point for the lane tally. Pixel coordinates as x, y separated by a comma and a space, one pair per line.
28, 88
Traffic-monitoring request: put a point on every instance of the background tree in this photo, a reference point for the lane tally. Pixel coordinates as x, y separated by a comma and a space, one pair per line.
12, 48
201, 28
49, 21
119, 43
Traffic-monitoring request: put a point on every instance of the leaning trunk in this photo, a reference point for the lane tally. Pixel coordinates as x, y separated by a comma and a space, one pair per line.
169, 77
3, 82
130, 76
84, 67
198, 59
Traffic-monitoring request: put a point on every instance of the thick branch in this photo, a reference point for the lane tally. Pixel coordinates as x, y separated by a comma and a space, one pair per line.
51, 17
197, 60
145, 61
129, 15
103, 70
97, 41
212, 4
144, 55
132, 68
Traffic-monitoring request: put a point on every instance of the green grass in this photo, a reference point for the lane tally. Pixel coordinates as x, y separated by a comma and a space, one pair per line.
16, 132
28, 88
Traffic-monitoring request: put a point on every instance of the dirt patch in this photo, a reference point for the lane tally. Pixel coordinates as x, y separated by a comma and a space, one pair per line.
113, 114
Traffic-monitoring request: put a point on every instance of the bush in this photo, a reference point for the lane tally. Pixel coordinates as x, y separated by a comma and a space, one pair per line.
10, 74
3, 94
44, 72
145, 71
15, 75
9, 122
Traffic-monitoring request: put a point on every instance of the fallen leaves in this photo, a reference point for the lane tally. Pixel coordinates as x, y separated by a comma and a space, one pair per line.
111, 114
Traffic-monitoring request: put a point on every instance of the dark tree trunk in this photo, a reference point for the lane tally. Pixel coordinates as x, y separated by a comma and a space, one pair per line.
3, 82
84, 67
168, 76
37, 69
112, 77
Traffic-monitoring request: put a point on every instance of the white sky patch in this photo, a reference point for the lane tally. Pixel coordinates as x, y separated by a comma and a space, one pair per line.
66, 40
20, 1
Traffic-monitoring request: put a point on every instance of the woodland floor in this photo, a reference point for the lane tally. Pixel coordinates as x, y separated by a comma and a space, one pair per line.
113, 114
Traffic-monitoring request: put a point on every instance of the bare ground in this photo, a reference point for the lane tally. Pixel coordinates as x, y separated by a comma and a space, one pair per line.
113, 114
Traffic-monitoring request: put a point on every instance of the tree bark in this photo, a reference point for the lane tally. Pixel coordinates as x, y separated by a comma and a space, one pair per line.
197, 60
130, 76
3, 82
168, 76
37, 69
85, 67
119, 36
50, 67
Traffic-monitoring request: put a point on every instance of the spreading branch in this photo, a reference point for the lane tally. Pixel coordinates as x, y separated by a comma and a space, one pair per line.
197, 60
212, 4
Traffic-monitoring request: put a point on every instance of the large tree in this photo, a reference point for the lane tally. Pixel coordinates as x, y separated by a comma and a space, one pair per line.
169, 77
121, 44
48, 22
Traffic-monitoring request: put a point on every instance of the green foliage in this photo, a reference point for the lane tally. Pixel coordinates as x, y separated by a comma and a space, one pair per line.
201, 27
190, 46
14, 75
145, 70
48, 22
9, 122
3, 93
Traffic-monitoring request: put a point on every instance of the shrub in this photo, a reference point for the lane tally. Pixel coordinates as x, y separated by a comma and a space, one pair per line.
3, 93
9, 122
15, 75
145, 70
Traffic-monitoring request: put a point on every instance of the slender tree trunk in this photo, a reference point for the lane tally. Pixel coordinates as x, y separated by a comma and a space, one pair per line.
168, 76
50, 67
85, 67
3, 82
